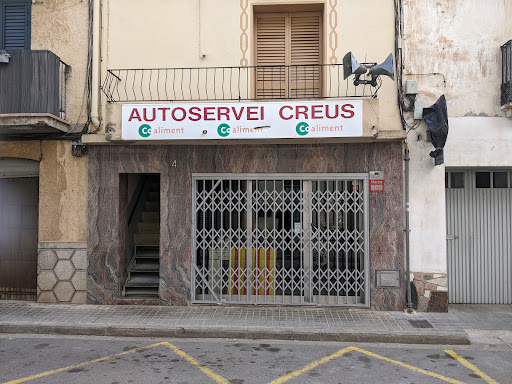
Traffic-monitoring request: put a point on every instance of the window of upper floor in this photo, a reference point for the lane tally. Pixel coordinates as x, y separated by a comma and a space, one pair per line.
288, 52
15, 24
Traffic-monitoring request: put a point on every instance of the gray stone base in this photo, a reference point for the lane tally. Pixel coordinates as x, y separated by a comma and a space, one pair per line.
62, 272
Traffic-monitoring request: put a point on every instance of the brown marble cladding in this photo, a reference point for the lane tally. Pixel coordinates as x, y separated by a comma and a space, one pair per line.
106, 264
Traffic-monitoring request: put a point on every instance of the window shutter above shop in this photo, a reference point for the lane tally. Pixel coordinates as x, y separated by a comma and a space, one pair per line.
284, 40
14, 25
305, 54
271, 56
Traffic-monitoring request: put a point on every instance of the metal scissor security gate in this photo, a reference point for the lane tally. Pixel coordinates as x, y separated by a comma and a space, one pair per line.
297, 239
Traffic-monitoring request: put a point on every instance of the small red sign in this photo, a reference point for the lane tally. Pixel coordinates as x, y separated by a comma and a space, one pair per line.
377, 186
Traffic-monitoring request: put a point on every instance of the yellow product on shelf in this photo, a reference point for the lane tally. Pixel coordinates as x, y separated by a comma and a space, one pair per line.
263, 264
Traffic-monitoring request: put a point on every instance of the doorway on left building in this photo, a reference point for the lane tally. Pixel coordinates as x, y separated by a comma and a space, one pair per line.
19, 213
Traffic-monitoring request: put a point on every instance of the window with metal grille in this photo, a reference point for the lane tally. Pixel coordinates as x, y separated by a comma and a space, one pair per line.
14, 24
288, 49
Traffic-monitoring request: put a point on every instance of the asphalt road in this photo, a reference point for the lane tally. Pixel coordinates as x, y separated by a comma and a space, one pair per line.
59, 359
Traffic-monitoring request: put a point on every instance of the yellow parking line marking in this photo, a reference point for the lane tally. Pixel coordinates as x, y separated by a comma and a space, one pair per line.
348, 349
219, 379
467, 364
48, 373
436, 375
310, 366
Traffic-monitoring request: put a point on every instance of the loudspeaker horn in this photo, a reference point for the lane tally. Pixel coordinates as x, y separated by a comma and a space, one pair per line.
386, 68
351, 66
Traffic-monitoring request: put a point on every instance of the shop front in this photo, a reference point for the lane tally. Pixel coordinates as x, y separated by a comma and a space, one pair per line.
258, 203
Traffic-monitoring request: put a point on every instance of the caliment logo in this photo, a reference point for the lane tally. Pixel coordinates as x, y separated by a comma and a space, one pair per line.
302, 128
145, 130
223, 130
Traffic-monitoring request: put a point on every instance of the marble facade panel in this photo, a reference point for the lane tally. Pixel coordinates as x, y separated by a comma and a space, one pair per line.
106, 263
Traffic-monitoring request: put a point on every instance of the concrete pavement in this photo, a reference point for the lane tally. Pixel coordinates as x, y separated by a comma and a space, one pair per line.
463, 324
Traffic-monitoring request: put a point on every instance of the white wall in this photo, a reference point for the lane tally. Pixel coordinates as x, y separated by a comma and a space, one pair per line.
458, 41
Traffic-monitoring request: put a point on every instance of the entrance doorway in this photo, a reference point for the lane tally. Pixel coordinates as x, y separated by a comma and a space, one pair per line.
290, 239
19, 207
479, 236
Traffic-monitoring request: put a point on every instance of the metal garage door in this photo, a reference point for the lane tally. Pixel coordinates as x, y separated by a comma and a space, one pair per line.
291, 239
479, 236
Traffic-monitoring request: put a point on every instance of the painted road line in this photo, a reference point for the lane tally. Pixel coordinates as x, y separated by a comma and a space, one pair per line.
48, 373
348, 349
436, 375
310, 366
219, 379
467, 364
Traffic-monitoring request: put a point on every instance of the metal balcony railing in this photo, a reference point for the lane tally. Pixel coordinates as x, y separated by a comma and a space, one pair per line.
232, 83
33, 82
506, 73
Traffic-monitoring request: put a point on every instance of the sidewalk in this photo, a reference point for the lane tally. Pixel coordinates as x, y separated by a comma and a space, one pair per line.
463, 324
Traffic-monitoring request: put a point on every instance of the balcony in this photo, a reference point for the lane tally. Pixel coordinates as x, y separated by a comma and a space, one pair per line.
232, 84
33, 95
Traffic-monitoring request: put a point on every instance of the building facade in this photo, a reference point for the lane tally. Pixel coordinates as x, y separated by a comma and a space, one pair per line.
43, 81
237, 152
460, 211
233, 160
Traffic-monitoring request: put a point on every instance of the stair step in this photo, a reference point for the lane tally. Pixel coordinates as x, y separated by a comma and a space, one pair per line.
146, 264
151, 216
143, 292
147, 251
154, 196
147, 239
152, 206
143, 276
142, 281
149, 227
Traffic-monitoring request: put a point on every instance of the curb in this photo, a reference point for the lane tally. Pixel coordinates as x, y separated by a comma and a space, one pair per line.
444, 338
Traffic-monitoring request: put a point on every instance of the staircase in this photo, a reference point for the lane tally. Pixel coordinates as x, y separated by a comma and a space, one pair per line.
144, 267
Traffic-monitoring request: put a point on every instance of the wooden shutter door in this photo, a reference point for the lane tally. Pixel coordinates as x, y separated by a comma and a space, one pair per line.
288, 55
271, 56
15, 25
305, 55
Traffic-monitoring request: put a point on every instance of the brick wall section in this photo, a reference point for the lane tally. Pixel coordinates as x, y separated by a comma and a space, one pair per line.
62, 272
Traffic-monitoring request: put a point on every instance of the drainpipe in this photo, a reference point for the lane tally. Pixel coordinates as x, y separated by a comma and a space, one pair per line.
96, 63
407, 230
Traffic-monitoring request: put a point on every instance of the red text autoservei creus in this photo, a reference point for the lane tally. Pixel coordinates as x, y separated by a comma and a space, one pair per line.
236, 113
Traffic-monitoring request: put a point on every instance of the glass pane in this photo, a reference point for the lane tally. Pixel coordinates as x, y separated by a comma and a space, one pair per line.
499, 180
483, 179
457, 179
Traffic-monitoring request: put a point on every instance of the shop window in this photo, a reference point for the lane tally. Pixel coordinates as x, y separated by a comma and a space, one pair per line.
288, 51
500, 180
14, 24
483, 179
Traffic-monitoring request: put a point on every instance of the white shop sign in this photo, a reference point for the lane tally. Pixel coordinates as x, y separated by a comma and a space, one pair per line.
258, 120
